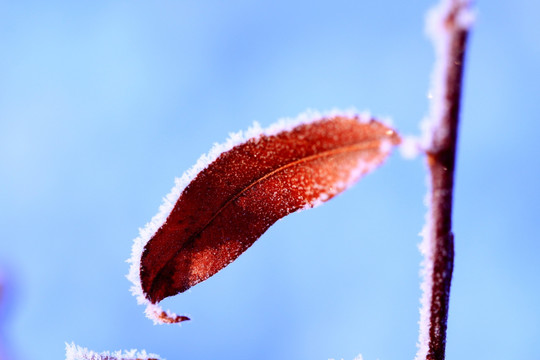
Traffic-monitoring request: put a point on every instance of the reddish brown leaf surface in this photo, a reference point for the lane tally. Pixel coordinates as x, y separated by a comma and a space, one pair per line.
237, 197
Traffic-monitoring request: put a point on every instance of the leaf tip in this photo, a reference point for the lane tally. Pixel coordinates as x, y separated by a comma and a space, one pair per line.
159, 316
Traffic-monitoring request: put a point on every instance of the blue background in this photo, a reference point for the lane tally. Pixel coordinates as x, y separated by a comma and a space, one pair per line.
103, 103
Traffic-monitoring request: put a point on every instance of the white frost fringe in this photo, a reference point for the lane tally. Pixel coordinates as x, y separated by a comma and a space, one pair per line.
440, 36
154, 311
411, 146
74, 352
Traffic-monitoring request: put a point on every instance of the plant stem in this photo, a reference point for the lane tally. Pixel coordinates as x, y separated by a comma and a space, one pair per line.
441, 152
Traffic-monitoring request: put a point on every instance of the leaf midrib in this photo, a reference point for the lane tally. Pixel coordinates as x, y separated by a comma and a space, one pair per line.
340, 150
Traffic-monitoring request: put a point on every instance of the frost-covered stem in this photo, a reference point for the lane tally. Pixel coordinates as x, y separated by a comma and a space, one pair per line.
450, 36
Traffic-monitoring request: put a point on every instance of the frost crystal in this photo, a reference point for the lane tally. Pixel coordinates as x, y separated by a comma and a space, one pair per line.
438, 33
410, 147
74, 352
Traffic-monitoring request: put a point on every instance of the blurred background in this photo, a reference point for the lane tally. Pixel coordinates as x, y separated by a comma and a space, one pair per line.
104, 103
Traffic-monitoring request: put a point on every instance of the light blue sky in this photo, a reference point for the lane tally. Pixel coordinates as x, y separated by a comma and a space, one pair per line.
102, 104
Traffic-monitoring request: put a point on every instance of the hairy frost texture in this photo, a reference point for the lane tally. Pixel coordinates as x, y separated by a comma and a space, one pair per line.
447, 25
437, 30
153, 310
426, 249
74, 352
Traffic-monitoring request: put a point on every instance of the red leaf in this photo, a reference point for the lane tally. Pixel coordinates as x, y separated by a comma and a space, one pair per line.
239, 195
